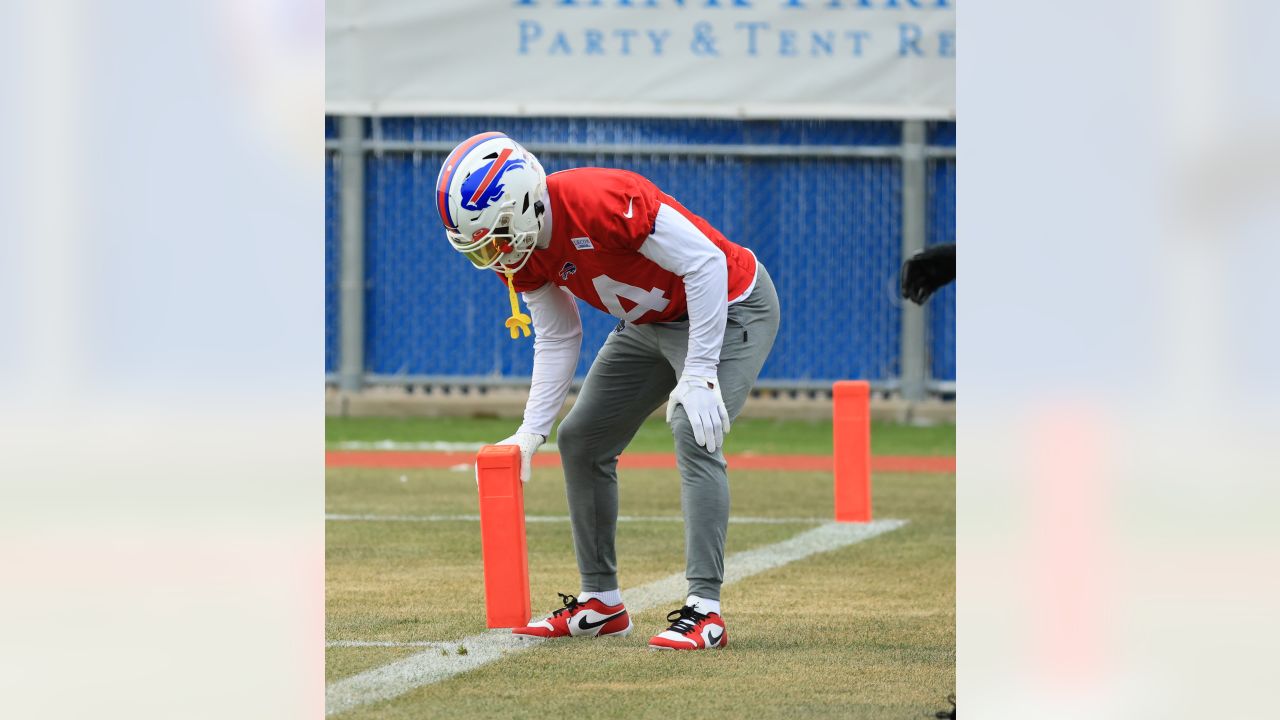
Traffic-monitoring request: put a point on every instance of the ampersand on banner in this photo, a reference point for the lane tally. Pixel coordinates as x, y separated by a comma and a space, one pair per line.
704, 43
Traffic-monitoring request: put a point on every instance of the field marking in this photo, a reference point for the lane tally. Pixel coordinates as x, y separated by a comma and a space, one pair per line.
431, 666
432, 445
438, 644
746, 520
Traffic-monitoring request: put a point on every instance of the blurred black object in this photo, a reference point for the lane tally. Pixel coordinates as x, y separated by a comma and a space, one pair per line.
926, 271
948, 714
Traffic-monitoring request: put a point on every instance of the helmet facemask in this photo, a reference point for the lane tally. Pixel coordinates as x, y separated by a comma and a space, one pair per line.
510, 243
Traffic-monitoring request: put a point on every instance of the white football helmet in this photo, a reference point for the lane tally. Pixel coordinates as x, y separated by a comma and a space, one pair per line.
490, 197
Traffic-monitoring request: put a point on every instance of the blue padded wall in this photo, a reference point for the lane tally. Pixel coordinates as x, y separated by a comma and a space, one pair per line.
829, 230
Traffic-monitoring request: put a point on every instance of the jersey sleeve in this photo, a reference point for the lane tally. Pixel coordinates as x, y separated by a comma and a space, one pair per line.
557, 340
682, 249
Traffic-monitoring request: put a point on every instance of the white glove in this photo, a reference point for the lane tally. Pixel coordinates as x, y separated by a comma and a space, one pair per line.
704, 405
528, 444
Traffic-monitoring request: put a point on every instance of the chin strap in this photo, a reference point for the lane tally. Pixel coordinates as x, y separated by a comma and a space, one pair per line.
518, 322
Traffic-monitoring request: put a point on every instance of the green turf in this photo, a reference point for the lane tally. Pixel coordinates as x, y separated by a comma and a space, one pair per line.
340, 662
867, 631
746, 435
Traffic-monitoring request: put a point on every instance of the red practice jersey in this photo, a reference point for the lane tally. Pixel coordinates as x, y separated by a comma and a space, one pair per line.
599, 219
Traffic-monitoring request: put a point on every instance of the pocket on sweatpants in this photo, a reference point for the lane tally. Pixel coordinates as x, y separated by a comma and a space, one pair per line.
735, 333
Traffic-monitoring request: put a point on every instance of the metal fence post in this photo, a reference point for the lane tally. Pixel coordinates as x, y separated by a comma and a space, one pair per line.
351, 279
913, 240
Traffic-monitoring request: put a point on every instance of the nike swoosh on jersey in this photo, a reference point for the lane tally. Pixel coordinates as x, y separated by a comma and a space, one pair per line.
585, 624
629, 212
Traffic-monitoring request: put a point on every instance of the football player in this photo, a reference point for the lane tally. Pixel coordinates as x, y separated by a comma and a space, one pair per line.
697, 317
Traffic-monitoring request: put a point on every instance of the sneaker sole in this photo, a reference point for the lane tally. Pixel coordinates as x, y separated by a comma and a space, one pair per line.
619, 633
615, 634
721, 646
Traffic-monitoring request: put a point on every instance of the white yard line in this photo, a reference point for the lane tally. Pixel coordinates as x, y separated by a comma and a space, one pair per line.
433, 445
386, 643
432, 666
340, 517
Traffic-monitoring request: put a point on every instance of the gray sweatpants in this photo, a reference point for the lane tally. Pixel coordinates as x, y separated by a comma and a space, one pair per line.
631, 377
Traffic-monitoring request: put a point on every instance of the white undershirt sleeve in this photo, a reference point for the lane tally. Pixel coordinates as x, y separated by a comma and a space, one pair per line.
677, 245
557, 339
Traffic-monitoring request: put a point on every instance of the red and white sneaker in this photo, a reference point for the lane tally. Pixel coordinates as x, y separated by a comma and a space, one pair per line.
691, 630
588, 619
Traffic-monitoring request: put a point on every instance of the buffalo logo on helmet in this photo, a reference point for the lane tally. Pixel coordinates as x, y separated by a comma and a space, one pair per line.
568, 269
484, 186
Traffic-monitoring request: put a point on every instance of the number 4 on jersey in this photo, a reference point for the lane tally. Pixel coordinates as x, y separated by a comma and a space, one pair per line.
610, 292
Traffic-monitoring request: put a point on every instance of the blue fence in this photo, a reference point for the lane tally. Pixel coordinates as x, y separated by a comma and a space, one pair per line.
828, 228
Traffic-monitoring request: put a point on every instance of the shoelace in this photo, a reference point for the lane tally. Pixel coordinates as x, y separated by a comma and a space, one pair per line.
570, 604
684, 619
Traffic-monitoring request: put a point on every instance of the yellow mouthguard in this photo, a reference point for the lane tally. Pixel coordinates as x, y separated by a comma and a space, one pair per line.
518, 322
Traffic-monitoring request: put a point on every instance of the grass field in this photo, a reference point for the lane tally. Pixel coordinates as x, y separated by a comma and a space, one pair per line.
864, 631
754, 435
